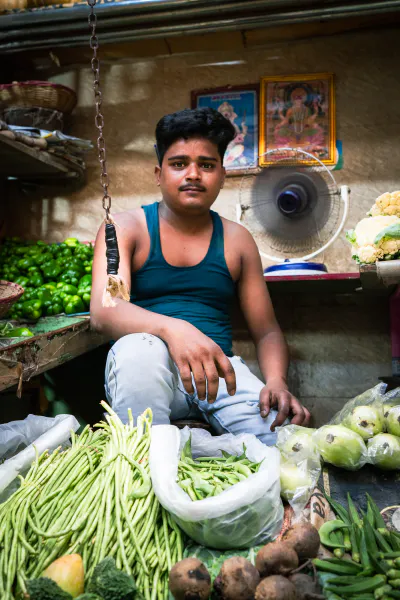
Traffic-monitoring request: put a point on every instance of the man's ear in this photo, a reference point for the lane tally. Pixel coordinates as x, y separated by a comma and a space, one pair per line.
157, 174
223, 177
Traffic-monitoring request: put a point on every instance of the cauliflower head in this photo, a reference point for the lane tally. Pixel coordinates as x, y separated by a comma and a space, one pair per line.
387, 204
375, 238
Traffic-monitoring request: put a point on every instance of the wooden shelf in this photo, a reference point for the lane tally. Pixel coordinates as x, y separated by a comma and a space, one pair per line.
56, 340
326, 283
22, 161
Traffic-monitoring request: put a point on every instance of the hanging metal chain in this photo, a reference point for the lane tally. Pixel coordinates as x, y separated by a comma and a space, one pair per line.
99, 119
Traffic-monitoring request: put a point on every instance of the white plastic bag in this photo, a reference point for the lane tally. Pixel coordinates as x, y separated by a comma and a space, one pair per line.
42, 433
247, 514
300, 465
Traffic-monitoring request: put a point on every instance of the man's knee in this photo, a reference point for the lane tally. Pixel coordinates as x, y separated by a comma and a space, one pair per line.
139, 352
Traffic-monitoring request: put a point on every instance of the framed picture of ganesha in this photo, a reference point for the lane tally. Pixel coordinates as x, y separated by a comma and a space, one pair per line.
298, 111
239, 104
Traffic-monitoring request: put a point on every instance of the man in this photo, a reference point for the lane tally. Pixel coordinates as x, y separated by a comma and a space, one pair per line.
184, 265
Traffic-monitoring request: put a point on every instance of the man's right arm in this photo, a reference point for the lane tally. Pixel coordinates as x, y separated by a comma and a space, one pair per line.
191, 350
124, 318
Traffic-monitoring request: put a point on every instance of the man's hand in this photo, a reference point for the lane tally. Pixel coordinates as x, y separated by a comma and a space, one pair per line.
276, 394
194, 352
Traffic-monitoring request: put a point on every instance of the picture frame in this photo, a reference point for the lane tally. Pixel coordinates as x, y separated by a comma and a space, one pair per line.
239, 104
298, 111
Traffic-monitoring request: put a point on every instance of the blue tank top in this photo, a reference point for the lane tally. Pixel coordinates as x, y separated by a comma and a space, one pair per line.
202, 294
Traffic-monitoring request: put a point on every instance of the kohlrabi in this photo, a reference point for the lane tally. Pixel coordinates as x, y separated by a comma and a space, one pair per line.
340, 446
386, 407
299, 443
393, 421
367, 421
384, 451
295, 480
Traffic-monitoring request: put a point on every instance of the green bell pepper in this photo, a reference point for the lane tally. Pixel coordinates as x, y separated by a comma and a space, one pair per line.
43, 294
71, 277
65, 252
73, 304
24, 263
88, 266
36, 280
86, 298
54, 309
69, 289
84, 290
21, 280
32, 309
51, 270
44, 258
86, 279
71, 242
19, 332
28, 294
76, 264
52, 286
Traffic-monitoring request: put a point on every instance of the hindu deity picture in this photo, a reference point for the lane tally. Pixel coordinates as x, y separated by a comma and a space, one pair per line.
298, 112
240, 106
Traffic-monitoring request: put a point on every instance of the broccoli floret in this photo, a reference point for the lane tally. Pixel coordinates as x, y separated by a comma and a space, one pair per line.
111, 584
44, 588
87, 596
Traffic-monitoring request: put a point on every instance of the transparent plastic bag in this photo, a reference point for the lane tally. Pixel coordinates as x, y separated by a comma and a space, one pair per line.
384, 451
300, 465
21, 440
370, 397
343, 442
247, 514
341, 447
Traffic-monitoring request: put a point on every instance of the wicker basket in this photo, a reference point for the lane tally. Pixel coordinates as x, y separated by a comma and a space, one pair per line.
43, 118
43, 94
9, 293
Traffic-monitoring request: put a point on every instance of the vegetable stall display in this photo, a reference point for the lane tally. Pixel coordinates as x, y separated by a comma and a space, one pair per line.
95, 499
56, 277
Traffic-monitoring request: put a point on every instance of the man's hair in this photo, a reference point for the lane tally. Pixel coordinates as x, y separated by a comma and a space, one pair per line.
199, 122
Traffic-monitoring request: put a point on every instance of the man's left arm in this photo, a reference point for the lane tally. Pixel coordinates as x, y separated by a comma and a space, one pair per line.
272, 351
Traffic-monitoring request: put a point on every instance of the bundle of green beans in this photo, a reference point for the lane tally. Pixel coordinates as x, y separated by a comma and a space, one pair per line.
209, 476
94, 499
367, 561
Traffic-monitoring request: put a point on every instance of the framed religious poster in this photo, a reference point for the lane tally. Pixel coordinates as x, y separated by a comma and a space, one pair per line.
298, 111
239, 104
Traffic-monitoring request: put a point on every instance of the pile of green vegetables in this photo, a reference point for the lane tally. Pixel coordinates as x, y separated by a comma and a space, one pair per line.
94, 499
56, 277
373, 571
204, 477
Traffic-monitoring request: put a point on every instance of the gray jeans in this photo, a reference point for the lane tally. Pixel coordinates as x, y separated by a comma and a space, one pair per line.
140, 374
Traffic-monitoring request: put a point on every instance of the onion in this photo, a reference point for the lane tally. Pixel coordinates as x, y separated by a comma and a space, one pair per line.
384, 451
340, 446
300, 443
367, 421
295, 480
393, 421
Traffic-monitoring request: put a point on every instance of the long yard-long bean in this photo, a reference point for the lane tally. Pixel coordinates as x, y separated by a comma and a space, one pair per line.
94, 498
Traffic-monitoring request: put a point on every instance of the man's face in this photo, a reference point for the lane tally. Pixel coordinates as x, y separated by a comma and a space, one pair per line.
191, 175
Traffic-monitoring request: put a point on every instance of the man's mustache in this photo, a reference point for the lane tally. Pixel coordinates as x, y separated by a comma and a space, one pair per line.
192, 186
